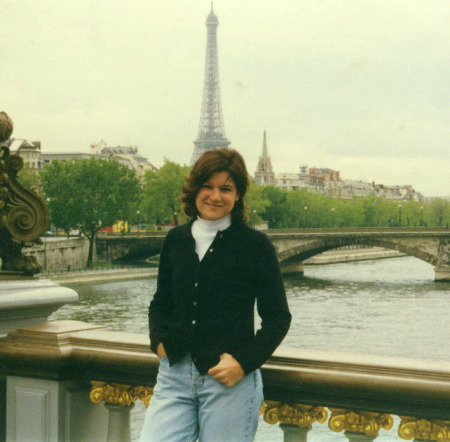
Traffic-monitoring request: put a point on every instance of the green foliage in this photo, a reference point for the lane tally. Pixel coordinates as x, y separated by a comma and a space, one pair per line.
89, 193
29, 178
274, 213
161, 193
439, 212
257, 203
287, 210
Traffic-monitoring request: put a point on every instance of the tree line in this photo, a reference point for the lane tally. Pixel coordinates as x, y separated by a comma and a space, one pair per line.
94, 193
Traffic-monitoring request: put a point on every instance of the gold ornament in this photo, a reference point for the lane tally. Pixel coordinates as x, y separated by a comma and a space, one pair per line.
359, 422
119, 394
411, 427
303, 416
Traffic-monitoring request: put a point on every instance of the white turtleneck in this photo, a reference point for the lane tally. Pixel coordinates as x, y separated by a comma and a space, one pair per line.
205, 231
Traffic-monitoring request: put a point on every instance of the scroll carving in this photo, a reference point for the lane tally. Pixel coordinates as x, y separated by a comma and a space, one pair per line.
362, 422
422, 429
24, 216
119, 394
303, 416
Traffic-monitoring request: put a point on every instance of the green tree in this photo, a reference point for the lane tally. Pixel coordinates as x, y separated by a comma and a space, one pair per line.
439, 212
161, 193
274, 213
29, 178
88, 194
257, 203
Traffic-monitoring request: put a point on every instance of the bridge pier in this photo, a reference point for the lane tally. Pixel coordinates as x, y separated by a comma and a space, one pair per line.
442, 274
292, 267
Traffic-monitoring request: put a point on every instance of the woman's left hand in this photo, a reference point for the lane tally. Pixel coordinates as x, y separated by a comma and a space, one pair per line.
228, 371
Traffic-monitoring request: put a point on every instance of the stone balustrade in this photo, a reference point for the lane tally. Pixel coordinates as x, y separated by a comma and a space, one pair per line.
59, 372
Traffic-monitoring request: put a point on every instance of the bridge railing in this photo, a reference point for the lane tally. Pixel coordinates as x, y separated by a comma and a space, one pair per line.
60, 372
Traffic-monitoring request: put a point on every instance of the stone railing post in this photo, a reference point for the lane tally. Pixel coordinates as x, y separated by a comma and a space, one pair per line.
119, 400
292, 433
119, 423
295, 419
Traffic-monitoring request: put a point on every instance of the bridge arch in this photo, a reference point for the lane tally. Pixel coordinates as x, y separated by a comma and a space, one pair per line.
307, 250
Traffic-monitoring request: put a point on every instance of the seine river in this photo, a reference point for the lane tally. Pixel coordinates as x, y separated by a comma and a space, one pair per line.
386, 307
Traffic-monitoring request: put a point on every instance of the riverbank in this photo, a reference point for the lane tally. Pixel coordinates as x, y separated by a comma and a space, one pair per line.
123, 274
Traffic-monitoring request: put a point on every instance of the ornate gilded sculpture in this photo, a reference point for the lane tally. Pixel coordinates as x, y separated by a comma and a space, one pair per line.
24, 216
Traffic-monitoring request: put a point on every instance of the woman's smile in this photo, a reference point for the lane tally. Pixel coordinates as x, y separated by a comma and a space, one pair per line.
216, 197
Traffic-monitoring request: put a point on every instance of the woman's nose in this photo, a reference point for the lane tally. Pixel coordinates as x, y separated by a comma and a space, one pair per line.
215, 194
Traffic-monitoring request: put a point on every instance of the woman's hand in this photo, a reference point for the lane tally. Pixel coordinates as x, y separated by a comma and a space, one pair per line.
160, 351
228, 371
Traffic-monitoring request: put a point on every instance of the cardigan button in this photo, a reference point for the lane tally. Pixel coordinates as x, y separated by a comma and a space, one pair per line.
211, 250
196, 284
193, 322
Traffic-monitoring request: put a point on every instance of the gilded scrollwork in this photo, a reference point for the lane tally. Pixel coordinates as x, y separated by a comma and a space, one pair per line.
119, 394
303, 416
24, 216
363, 422
423, 429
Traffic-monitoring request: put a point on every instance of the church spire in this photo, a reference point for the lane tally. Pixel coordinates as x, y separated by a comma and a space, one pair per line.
264, 151
264, 175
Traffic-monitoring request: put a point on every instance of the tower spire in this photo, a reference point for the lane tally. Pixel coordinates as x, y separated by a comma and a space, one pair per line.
264, 175
264, 151
211, 131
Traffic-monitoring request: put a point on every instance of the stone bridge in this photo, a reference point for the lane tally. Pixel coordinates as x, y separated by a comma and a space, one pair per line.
295, 245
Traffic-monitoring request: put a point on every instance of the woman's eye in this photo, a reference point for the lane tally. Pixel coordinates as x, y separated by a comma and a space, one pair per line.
206, 186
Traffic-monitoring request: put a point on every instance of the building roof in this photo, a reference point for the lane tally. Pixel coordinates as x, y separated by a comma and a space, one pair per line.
16, 144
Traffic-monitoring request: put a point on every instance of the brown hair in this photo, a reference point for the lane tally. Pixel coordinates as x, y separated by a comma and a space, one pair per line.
210, 163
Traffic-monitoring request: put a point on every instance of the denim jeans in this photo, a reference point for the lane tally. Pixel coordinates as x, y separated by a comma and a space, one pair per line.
187, 406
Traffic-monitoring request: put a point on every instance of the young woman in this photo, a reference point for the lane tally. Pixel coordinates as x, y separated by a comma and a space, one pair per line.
201, 319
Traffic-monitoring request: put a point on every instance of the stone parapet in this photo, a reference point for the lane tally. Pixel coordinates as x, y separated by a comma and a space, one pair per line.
28, 302
85, 363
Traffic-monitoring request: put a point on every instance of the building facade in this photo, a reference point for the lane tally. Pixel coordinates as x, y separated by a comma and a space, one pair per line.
35, 159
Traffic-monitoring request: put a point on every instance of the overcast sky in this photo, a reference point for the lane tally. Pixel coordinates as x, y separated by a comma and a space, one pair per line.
360, 86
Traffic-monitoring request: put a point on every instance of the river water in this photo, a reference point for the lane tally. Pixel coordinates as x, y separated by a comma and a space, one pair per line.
387, 307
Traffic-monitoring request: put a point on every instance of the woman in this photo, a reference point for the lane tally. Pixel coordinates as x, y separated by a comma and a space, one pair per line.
201, 319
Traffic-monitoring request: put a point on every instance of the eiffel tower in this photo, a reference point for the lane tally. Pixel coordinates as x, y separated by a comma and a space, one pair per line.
211, 132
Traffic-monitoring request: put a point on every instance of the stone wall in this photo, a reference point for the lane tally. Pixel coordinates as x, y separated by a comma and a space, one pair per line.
57, 254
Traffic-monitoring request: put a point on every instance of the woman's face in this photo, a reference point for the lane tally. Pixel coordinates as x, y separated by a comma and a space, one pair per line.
216, 197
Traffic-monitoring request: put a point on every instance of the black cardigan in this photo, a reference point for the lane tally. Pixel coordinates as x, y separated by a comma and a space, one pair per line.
207, 307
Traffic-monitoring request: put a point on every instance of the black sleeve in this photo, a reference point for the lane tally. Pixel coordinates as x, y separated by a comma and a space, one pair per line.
272, 308
160, 310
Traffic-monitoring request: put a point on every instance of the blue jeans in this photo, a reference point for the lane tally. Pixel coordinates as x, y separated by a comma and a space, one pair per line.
187, 406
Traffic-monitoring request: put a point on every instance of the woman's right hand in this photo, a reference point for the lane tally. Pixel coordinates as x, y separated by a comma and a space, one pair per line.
160, 351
